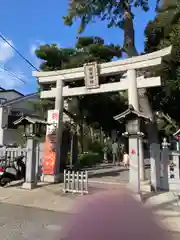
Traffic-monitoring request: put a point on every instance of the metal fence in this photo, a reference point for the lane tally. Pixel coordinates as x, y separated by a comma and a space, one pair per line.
7, 155
76, 181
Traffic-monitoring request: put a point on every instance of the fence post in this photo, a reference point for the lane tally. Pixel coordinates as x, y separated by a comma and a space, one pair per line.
86, 182
64, 180
164, 165
30, 179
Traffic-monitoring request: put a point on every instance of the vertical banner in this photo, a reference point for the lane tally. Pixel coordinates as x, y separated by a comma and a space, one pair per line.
49, 160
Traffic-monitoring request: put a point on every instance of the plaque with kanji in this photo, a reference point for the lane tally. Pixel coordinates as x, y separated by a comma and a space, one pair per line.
91, 75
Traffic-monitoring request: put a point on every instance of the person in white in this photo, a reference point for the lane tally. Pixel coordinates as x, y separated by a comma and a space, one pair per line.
126, 160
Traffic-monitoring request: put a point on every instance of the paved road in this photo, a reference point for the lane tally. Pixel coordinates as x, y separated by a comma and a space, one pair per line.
112, 174
18, 222
24, 223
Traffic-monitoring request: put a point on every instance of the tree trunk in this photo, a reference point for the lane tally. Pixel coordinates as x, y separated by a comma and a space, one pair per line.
130, 49
81, 134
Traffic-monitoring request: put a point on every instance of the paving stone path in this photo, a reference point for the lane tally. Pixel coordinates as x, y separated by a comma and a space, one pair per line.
24, 223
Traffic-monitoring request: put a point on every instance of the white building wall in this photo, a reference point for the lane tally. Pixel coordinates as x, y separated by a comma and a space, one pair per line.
10, 136
1, 123
25, 106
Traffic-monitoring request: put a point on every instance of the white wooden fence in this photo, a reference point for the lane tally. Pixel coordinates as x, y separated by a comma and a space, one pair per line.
76, 181
7, 155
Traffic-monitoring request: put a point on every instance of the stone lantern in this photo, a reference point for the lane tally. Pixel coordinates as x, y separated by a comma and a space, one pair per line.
133, 120
33, 127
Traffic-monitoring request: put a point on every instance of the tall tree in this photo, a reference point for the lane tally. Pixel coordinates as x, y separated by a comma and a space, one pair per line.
163, 31
117, 13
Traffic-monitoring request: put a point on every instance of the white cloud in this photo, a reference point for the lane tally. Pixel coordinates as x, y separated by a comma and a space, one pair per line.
37, 44
6, 52
33, 47
11, 79
36, 61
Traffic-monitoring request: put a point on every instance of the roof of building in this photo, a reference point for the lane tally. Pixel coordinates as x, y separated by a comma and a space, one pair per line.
176, 133
130, 111
10, 90
18, 99
29, 119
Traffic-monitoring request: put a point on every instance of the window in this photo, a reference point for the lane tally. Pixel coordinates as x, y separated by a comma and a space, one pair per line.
3, 100
12, 119
16, 113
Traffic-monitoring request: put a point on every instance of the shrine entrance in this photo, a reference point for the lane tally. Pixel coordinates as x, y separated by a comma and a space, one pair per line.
127, 74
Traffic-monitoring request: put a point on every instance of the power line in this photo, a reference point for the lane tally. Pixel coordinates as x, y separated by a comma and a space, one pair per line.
13, 74
25, 59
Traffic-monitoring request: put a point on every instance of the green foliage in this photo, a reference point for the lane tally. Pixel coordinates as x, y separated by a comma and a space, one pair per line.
88, 159
96, 147
163, 31
87, 49
101, 109
111, 11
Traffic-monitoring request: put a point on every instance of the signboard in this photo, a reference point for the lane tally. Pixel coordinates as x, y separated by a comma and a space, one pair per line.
49, 160
91, 75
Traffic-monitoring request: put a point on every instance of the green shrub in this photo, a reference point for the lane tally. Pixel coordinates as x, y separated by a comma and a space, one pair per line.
96, 147
88, 159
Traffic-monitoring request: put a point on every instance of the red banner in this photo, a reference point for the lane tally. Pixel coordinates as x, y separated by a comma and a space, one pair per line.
49, 156
49, 160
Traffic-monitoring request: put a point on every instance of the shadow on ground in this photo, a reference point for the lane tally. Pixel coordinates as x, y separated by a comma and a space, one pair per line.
146, 196
98, 167
111, 173
20, 183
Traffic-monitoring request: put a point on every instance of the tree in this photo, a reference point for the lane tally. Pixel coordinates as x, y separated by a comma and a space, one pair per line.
86, 49
163, 31
120, 14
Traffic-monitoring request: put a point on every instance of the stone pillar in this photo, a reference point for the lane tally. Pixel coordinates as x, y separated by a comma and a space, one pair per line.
155, 166
133, 100
30, 179
59, 103
141, 161
134, 179
132, 90
164, 166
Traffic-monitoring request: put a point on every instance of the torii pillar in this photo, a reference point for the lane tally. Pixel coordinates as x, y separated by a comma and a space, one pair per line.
134, 101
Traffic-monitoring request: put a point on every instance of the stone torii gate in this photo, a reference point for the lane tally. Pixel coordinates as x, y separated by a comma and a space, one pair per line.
90, 73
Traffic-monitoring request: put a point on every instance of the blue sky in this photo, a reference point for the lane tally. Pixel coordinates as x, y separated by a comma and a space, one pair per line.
26, 24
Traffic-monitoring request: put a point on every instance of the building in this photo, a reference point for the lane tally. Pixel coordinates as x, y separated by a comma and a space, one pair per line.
13, 104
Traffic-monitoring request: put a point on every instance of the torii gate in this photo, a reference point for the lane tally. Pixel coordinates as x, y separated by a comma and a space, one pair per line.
90, 73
